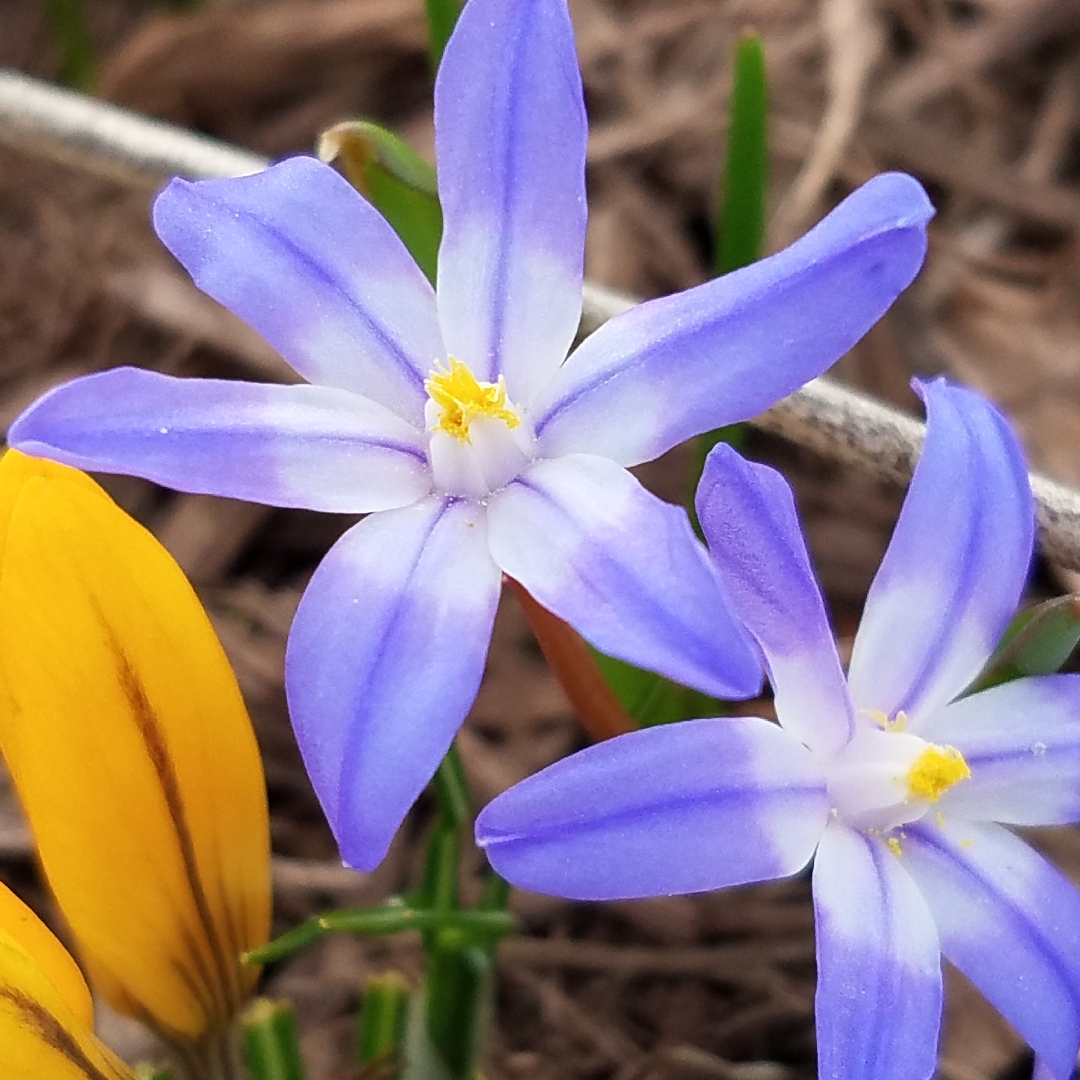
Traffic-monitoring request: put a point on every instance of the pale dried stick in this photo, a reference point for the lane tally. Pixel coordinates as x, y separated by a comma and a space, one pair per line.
837, 423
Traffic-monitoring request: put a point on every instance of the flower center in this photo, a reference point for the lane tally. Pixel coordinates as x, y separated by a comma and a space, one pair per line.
461, 399
478, 441
886, 777
934, 771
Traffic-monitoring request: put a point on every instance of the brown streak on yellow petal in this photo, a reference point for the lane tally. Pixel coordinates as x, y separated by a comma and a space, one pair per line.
147, 722
131, 750
25, 931
53, 1034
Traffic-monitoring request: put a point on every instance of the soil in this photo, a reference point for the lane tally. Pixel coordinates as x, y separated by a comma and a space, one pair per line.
980, 100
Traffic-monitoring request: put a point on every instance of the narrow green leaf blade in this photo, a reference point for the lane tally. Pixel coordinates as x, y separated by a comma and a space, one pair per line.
384, 1009
457, 1002
741, 217
442, 16
271, 1042
71, 34
741, 214
394, 179
452, 790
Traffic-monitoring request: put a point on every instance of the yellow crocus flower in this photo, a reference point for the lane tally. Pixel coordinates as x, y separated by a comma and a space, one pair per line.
45, 1009
132, 754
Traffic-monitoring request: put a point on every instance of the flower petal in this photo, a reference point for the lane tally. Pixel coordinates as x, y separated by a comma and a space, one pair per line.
21, 929
112, 753
384, 660
309, 264
956, 564
673, 809
308, 446
1021, 741
45, 1010
878, 1002
1011, 923
724, 351
624, 569
750, 524
510, 144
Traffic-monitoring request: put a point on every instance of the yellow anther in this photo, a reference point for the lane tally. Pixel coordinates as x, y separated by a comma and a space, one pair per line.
934, 771
897, 723
461, 399
893, 844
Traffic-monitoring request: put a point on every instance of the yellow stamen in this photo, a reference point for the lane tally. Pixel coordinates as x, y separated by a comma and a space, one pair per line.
461, 399
934, 771
897, 723
893, 845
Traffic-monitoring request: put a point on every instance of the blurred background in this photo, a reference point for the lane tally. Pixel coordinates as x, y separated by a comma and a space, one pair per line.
981, 101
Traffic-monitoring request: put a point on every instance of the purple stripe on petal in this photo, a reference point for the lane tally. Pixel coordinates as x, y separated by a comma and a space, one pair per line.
1022, 744
878, 1002
384, 660
955, 567
624, 569
672, 809
1011, 923
510, 144
303, 259
748, 517
306, 446
724, 351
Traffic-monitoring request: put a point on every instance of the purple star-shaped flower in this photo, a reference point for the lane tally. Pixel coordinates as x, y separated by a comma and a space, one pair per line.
893, 784
455, 416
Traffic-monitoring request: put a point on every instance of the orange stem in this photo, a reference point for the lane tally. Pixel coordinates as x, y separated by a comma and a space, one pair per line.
569, 658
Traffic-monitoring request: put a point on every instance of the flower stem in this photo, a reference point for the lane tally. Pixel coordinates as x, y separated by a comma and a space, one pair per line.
569, 658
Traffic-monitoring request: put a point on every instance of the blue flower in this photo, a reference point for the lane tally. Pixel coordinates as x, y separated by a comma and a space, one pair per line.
455, 416
895, 786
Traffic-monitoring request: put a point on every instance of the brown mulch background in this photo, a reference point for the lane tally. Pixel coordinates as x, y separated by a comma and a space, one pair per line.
980, 100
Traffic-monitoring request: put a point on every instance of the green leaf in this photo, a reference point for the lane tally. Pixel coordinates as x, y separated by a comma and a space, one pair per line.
394, 179
384, 1009
393, 917
1038, 641
470, 925
457, 1001
495, 895
741, 224
271, 1044
451, 789
147, 1071
71, 34
741, 214
442, 17
421, 1060
651, 699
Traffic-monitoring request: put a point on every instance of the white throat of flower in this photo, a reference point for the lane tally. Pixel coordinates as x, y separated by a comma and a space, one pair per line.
886, 777
478, 440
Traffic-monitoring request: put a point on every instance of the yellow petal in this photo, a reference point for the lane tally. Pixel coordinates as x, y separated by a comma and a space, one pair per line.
44, 1006
131, 751
24, 930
